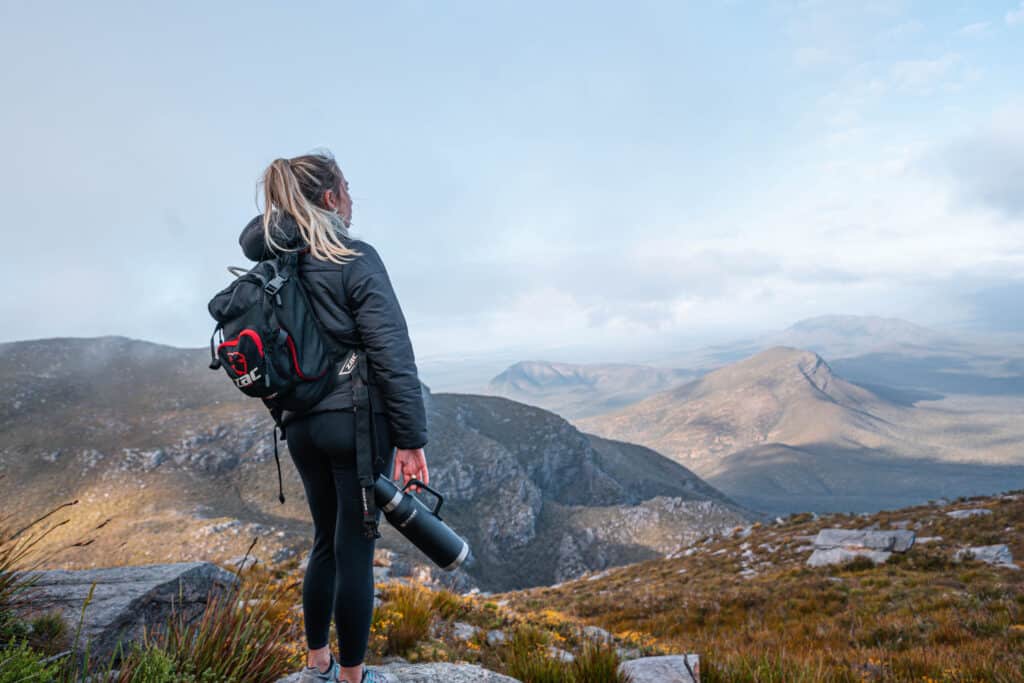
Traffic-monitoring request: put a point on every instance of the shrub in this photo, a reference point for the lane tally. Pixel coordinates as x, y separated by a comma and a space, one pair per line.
149, 665
526, 658
448, 605
860, 563
598, 662
239, 637
405, 617
20, 664
48, 633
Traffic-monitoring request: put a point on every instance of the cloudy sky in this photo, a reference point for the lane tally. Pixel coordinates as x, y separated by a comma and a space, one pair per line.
542, 179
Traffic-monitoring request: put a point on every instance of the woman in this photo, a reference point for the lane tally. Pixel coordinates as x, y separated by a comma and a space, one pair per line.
307, 208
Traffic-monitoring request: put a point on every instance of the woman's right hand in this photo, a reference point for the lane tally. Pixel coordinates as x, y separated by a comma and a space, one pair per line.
410, 464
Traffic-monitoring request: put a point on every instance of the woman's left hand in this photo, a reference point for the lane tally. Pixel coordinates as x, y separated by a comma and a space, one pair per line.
410, 464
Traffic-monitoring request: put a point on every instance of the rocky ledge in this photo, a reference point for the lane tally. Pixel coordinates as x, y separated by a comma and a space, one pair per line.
118, 603
398, 672
664, 669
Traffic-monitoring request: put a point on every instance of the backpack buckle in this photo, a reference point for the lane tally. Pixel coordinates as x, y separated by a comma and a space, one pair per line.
275, 284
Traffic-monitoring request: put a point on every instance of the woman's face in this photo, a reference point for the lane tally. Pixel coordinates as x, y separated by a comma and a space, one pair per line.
340, 201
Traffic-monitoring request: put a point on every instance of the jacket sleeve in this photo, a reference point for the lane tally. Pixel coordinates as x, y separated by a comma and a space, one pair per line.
384, 334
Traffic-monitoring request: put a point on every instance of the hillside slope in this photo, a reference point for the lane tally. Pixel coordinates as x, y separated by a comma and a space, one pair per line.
781, 432
170, 462
754, 610
575, 390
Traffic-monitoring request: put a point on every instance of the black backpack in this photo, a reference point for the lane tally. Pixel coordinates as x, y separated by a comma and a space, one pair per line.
271, 343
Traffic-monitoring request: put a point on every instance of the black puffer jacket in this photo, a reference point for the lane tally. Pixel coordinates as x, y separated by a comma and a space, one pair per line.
357, 305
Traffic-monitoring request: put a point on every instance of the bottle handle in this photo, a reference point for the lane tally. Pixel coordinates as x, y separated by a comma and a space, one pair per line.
440, 498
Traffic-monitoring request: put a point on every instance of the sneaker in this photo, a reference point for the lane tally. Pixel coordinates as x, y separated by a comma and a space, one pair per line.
370, 676
311, 674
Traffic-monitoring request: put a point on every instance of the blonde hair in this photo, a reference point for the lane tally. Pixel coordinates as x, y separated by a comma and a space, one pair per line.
296, 186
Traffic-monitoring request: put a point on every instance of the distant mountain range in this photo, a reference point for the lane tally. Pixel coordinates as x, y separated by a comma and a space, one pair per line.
170, 462
781, 432
896, 358
578, 390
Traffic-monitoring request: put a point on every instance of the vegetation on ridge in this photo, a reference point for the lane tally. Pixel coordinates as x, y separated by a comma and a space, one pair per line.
755, 612
747, 604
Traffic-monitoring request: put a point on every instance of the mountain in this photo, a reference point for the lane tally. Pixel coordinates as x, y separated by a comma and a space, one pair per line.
837, 336
781, 432
894, 357
831, 336
578, 390
526, 484
168, 461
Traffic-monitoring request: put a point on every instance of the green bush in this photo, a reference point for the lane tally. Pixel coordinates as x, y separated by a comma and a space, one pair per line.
239, 637
598, 662
151, 665
534, 666
20, 664
405, 617
48, 633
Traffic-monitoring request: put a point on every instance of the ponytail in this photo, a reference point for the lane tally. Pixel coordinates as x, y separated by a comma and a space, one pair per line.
296, 186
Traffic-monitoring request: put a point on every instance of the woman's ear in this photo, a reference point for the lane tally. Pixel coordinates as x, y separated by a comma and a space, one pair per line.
330, 200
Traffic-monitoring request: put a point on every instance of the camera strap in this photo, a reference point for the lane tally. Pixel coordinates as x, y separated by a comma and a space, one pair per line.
365, 441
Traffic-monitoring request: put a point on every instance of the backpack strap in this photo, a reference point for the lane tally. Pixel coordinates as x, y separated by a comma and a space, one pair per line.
363, 408
276, 413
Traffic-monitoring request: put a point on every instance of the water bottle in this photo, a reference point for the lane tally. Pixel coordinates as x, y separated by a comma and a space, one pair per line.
421, 525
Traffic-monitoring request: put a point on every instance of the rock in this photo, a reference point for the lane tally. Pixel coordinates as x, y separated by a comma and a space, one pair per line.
126, 599
628, 652
998, 555
969, 512
463, 631
836, 546
895, 540
496, 637
663, 669
560, 654
437, 672
243, 562
282, 554
597, 633
822, 558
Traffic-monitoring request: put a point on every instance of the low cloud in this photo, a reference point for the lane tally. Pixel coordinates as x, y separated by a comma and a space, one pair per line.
987, 166
977, 29
922, 75
1015, 16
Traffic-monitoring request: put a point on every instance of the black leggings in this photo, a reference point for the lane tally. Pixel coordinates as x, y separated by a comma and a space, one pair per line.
339, 577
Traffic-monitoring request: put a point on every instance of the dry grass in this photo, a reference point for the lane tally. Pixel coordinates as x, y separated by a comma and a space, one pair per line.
919, 617
245, 634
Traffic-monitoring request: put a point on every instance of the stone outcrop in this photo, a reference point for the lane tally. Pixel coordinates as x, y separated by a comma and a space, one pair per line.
996, 555
663, 669
835, 546
398, 672
968, 513
125, 600
828, 556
